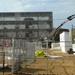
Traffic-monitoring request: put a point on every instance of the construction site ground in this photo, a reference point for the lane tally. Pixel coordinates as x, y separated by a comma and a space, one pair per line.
62, 65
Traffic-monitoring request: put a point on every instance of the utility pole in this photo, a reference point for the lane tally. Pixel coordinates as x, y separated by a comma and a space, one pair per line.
72, 34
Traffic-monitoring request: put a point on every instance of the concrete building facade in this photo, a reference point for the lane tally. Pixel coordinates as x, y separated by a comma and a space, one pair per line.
25, 25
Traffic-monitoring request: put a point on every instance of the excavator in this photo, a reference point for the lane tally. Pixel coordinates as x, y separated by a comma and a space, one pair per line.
51, 36
54, 32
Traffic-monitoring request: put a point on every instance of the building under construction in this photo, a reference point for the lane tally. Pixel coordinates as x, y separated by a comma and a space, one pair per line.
25, 25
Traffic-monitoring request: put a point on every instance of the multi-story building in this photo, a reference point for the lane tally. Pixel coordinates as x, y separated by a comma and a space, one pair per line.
25, 25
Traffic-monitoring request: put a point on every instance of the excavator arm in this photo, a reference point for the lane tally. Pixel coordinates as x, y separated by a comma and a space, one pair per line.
71, 17
55, 31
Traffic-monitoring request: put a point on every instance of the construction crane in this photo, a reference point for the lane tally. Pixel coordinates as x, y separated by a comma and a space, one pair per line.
52, 35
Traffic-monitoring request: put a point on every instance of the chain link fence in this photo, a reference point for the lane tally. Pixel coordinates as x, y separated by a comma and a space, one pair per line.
19, 59
20, 52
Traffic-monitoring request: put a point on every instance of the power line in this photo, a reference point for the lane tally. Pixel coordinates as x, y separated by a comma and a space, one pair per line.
59, 19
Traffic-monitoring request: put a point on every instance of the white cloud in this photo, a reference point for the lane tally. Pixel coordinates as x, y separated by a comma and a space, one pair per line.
10, 6
60, 8
57, 6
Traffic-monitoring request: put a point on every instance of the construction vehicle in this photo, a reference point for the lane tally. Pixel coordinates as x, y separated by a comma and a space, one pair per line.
52, 35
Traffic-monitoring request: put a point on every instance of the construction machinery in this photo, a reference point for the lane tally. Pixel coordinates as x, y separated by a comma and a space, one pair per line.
54, 32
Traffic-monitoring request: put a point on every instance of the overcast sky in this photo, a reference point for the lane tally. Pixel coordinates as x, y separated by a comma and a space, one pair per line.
61, 8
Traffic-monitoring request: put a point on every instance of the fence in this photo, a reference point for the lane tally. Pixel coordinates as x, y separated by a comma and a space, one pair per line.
23, 51
56, 63
19, 52
20, 55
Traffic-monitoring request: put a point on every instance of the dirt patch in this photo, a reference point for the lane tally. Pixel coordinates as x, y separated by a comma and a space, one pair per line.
44, 65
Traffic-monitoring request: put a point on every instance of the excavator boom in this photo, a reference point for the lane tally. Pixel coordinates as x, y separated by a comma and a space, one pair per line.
55, 31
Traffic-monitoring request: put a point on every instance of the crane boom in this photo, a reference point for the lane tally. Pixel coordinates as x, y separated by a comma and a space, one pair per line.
55, 31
